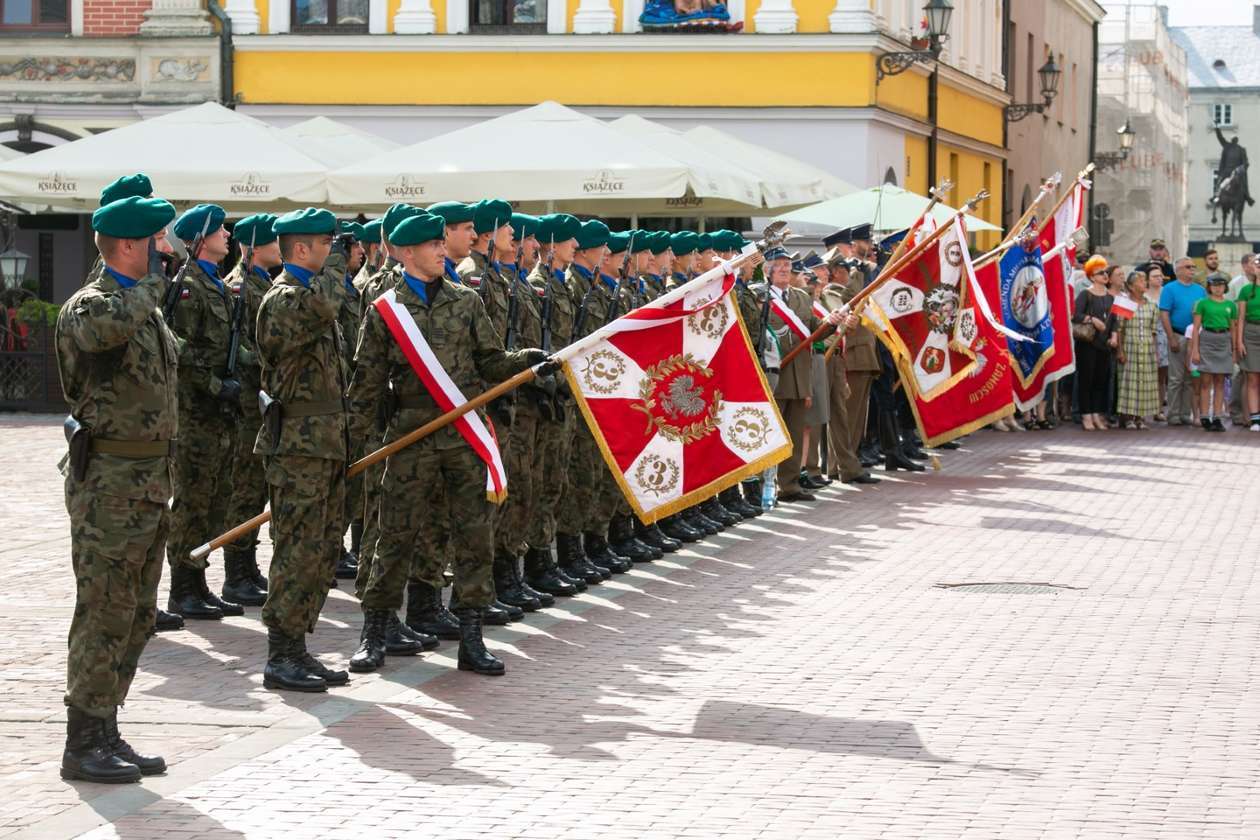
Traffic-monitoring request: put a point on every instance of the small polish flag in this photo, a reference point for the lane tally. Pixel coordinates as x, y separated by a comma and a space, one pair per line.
1124, 307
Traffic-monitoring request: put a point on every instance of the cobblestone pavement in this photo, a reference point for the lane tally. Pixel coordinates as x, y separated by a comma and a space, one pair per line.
800, 676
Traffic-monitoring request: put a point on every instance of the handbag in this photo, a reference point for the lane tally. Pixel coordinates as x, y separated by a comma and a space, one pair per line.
1084, 332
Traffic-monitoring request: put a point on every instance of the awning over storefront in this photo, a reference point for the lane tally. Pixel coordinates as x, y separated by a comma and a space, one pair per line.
336, 144
787, 182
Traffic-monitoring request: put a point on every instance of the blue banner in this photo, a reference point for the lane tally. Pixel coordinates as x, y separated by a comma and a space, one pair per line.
1026, 308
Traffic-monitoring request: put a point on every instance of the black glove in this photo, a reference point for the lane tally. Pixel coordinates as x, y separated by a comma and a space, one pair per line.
540, 359
341, 244
546, 382
229, 391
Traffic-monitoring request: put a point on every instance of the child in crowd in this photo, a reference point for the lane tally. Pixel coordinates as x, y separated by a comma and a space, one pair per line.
1212, 349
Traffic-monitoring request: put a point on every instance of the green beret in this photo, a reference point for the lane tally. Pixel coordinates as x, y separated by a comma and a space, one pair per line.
193, 221
416, 230
396, 214
640, 240
618, 242
134, 217
525, 225
658, 241
704, 242
558, 227
258, 229
684, 242
491, 214
306, 222
592, 234
127, 186
371, 231
453, 212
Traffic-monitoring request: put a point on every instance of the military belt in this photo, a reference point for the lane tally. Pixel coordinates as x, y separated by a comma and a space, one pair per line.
313, 408
132, 448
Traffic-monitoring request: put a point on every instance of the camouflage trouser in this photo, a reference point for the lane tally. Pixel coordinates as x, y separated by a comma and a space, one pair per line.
116, 547
517, 512
203, 448
505, 436
581, 483
355, 496
550, 445
371, 526
308, 500
247, 495
423, 489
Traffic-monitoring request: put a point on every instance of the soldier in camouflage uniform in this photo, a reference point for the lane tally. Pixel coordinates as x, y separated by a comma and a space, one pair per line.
373, 254
119, 365
249, 281
304, 441
209, 403
441, 478
348, 318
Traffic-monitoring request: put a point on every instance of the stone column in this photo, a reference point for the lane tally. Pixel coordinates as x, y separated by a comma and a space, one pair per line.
177, 18
776, 17
415, 17
851, 16
244, 16
594, 17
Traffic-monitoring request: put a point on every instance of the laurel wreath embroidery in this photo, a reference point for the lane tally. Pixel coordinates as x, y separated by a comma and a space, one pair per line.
647, 394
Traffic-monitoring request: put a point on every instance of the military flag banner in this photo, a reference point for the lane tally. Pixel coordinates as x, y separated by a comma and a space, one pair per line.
1026, 311
675, 398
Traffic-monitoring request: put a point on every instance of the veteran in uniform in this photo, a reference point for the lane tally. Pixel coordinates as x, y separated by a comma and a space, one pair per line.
304, 442
119, 366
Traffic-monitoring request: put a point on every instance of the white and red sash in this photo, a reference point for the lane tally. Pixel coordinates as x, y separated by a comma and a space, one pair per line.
787, 316
403, 327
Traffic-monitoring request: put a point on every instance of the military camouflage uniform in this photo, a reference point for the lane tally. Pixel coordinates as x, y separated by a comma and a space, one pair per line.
248, 491
118, 364
349, 316
557, 437
440, 479
207, 425
303, 366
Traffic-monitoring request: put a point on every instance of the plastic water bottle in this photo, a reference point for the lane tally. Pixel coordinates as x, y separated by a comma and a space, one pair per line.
767, 489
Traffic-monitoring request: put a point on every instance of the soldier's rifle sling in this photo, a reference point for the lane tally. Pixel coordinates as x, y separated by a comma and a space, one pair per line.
614, 311
238, 309
175, 292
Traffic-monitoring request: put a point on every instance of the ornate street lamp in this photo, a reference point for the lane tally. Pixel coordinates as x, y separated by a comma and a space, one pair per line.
1106, 160
13, 267
1049, 76
938, 14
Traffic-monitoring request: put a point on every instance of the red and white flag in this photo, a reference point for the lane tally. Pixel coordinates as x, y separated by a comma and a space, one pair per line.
1124, 307
779, 307
675, 398
443, 390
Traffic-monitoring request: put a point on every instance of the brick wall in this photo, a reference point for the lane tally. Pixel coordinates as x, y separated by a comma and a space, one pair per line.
112, 18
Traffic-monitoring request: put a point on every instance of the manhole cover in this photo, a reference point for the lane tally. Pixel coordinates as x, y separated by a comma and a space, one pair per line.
1010, 588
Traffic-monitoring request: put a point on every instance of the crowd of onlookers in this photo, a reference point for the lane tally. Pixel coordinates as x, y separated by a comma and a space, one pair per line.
1159, 341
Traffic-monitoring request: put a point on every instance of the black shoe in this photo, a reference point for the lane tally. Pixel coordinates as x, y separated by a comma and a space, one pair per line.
798, 496
913, 452
655, 537
898, 461
810, 482
426, 641
624, 543
88, 755
1206, 423
284, 670
347, 567
1218, 425
544, 599
679, 529
371, 652
751, 488
297, 649
226, 607
250, 561
602, 556
186, 597
427, 615
541, 574
718, 513
572, 559
150, 765
238, 580
473, 655
513, 613
696, 519
733, 500
165, 622
398, 643
952, 444
861, 478
510, 587
492, 613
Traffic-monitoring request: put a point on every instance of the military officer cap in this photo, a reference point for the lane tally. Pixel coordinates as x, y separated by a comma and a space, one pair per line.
777, 254
860, 233
134, 217
258, 229
684, 242
454, 212
559, 227
193, 221
619, 241
307, 222
396, 214
844, 236
416, 230
812, 260
127, 186
592, 234
491, 214
371, 231
524, 225
798, 266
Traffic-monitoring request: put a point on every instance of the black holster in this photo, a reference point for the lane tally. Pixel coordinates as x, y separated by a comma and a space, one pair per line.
79, 437
273, 417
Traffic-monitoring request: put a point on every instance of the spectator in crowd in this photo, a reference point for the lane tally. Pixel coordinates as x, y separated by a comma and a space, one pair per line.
1154, 287
1139, 382
1248, 276
1247, 346
1094, 345
1212, 348
1211, 261
1238, 385
1176, 306
1079, 281
1115, 280
1159, 256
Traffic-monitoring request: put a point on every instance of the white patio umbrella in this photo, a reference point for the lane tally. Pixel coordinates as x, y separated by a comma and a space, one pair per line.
540, 154
336, 144
204, 153
788, 182
886, 208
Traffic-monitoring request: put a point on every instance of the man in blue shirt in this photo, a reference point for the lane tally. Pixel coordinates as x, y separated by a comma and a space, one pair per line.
1176, 313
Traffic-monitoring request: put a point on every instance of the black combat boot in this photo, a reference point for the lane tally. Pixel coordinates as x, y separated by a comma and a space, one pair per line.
622, 541
398, 643
347, 567
733, 500
426, 614
896, 460
508, 586
225, 606
752, 491
425, 640
696, 519
714, 510
543, 598
371, 652
150, 765
301, 654
676, 527
601, 554
542, 574
284, 670
493, 613
88, 756
165, 622
251, 568
473, 655
572, 559
655, 537
238, 582
185, 599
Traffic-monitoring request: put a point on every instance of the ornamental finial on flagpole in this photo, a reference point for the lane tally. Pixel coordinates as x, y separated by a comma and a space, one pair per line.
773, 236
